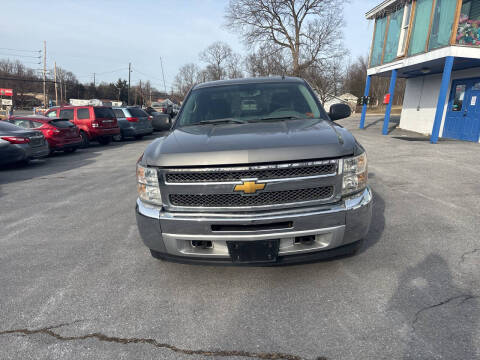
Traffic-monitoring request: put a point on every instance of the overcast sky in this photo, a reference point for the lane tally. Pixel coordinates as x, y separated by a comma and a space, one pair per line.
102, 36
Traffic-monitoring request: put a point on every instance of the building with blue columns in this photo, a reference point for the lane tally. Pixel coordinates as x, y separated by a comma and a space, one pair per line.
435, 45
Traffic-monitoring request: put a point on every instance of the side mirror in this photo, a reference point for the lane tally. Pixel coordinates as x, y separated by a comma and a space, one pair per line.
339, 111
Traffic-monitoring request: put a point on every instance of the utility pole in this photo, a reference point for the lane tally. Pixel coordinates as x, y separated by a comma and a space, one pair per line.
44, 74
141, 93
65, 92
129, 71
93, 79
61, 92
163, 75
56, 87
150, 88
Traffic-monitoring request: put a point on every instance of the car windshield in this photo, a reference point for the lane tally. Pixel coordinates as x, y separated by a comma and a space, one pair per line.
61, 123
137, 112
104, 112
250, 102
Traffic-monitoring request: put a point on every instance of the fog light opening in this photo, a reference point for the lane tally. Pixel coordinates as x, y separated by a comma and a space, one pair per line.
304, 240
201, 244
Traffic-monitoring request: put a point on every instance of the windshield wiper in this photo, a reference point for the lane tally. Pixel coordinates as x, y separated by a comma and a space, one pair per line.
221, 121
275, 118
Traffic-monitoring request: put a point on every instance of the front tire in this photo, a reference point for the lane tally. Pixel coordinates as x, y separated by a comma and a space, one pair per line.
70, 150
105, 140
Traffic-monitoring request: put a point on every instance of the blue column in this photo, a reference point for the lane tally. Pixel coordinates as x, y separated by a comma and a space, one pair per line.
442, 98
364, 109
391, 91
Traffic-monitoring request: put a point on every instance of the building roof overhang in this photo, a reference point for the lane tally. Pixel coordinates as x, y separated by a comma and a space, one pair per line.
430, 63
384, 7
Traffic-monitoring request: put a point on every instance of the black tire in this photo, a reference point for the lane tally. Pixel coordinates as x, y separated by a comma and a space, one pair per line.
156, 254
85, 140
119, 137
105, 140
138, 137
24, 162
70, 150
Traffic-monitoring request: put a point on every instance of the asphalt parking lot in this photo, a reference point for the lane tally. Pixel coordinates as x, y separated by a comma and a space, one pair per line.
77, 282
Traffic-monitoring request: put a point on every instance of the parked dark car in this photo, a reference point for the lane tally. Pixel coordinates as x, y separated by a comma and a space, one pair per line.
160, 121
20, 145
133, 122
96, 123
60, 134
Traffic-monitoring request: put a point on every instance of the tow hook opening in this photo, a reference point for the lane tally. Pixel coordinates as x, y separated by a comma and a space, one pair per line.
201, 244
304, 240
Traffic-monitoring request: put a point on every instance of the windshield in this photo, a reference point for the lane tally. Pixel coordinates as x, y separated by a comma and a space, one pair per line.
104, 112
250, 102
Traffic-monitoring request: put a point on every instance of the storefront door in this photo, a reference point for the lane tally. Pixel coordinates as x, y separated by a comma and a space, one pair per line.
462, 120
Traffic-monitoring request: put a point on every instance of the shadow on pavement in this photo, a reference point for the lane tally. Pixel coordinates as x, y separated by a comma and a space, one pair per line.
442, 318
60, 161
57, 163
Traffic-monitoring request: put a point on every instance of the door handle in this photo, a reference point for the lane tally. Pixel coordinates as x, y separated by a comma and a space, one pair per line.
465, 113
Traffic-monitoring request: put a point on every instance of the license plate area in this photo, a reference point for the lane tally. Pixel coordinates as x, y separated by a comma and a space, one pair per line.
253, 251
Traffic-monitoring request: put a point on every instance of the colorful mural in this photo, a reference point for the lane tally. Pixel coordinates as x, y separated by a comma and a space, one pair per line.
468, 31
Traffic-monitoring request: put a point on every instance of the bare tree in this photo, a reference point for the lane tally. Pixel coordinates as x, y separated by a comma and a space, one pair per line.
310, 30
188, 75
327, 80
267, 60
234, 67
216, 56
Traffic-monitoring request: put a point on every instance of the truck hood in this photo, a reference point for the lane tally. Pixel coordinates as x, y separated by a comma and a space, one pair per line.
256, 142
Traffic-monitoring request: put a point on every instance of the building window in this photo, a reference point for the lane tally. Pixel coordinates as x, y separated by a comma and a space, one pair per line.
394, 29
421, 24
468, 32
458, 98
378, 41
407, 12
443, 19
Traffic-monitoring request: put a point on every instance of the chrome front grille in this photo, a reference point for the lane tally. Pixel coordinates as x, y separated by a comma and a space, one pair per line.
235, 174
285, 185
261, 199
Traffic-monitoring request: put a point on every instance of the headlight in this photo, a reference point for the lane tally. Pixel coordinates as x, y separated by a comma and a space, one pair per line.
147, 185
355, 174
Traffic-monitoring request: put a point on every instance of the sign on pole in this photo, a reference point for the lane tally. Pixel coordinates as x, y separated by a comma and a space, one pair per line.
6, 92
6, 102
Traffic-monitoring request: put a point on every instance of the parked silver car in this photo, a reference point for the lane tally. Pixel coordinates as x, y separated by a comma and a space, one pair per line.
20, 145
160, 121
133, 122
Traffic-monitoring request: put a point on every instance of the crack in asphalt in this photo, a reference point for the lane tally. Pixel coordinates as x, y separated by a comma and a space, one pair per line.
113, 339
464, 297
462, 258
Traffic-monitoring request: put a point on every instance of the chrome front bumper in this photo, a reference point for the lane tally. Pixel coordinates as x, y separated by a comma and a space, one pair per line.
334, 226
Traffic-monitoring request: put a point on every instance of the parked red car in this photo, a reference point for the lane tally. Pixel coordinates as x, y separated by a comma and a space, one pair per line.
60, 134
95, 122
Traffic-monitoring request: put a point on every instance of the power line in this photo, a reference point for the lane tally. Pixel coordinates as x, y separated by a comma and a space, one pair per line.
25, 56
33, 51
27, 80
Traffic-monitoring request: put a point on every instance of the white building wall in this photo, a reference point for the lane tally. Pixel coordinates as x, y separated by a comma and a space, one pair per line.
420, 101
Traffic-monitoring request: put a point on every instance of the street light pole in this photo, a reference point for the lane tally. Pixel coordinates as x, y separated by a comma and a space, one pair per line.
163, 75
44, 74
129, 71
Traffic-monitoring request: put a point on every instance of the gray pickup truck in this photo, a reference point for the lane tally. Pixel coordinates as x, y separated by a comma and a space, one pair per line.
254, 171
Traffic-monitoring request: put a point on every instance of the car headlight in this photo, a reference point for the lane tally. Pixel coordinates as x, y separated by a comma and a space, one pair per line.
147, 185
355, 174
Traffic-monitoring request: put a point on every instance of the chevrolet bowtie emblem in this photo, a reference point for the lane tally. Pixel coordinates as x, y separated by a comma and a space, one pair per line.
249, 187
